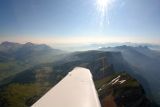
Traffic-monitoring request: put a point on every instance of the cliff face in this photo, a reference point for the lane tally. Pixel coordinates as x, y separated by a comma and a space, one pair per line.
121, 90
145, 64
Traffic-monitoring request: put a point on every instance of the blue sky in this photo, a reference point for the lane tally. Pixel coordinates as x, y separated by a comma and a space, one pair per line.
80, 21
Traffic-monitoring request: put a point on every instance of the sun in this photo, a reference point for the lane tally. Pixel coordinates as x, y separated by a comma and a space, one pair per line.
103, 7
102, 3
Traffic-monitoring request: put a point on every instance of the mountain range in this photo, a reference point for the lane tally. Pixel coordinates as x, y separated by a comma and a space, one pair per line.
112, 65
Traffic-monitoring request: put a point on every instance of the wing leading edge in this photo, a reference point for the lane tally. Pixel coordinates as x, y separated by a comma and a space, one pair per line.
75, 90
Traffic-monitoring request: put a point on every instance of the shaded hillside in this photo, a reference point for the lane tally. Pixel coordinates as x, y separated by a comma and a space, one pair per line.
121, 90
145, 64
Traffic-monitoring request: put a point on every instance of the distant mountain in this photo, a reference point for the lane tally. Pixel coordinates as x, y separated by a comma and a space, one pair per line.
22, 51
145, 63
9, 46
15, 57
100, 45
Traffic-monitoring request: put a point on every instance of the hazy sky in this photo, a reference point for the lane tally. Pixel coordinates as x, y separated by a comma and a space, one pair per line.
80, 21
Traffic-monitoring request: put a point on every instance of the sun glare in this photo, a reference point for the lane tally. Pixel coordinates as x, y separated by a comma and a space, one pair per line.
102, 3
103, 7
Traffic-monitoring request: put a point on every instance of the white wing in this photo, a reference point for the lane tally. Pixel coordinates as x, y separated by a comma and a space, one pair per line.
75, 90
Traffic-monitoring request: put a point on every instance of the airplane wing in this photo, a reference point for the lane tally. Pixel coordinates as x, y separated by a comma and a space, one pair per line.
75, 90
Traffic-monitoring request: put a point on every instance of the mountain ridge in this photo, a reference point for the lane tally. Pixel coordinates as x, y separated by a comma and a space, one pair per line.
145, 63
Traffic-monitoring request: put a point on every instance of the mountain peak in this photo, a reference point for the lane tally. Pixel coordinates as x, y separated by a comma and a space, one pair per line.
7, 43
29, 44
